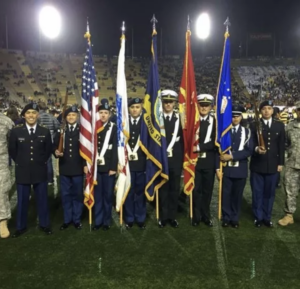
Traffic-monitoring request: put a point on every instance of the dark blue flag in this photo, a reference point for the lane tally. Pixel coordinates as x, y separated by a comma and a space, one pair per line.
224, 101
153, 137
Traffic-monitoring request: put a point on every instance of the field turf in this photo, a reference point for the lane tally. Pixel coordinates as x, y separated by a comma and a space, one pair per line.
187, 257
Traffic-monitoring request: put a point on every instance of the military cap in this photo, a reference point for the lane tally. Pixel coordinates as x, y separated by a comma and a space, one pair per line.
237, 109
71, 109
266, 103
205, 98
28, 106
104, 105
169, 94
133, 101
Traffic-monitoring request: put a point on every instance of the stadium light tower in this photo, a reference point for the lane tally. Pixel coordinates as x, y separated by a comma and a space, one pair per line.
203, 26
49, 22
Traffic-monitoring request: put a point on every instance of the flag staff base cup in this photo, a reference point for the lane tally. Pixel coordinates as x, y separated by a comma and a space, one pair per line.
157, 206
191, 207
220, 192
90, 219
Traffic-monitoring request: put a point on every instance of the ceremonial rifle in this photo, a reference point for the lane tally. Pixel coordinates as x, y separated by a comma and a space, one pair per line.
258, 125
63, 125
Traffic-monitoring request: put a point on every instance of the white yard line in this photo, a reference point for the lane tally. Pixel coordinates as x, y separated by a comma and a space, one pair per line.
219, 238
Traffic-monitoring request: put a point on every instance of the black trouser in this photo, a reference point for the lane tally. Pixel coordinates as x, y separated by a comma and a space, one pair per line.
204, 184
168, 195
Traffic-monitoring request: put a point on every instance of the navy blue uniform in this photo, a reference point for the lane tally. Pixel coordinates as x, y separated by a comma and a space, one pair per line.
105, 183
235, 174
71, 166
264, 169
135, 203
30, 154
169, 192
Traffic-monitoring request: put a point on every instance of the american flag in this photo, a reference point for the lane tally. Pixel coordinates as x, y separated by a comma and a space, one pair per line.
90, 122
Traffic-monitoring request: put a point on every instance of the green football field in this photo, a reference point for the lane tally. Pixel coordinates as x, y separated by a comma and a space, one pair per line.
187, 257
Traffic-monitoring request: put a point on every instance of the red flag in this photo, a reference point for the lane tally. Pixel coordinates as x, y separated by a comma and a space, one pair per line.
190, 118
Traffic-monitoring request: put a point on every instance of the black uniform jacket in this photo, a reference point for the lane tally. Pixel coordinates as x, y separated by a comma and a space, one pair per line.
111, 155
71, 163
209, 148
176, 161
30, 153
138, 165
274, 138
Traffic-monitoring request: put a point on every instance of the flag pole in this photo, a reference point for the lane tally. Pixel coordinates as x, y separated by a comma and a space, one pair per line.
220, 192
191, 206
121, 215
87, 35
121, 208
90, 218
154, 21
191, 194
227, 24
157, 206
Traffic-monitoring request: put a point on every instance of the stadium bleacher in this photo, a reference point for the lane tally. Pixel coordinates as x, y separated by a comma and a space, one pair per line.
39, 76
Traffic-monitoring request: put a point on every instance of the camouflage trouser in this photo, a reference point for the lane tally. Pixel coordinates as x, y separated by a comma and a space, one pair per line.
291, 184
5, 186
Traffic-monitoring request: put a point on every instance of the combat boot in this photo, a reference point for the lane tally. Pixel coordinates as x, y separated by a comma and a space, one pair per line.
286, 220
4, 233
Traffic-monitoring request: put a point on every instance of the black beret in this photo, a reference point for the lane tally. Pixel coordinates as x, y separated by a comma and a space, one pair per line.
28, 106
135, 101
237, 109
104, 105
71, 109
266, 103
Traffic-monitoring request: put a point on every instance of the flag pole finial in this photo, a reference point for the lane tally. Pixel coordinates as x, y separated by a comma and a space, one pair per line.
188, 23
154, 21
87, 35
227, 24
123, 28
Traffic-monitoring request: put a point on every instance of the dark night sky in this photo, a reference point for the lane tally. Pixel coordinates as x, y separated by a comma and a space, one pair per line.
105, 16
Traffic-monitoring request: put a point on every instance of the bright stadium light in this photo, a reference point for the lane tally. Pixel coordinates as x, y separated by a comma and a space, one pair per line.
50, 22
203, 26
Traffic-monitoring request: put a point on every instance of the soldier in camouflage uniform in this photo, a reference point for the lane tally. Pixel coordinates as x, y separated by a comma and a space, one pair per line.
6, 125
292, 171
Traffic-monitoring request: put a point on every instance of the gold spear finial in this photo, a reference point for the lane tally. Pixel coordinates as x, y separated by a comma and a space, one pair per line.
87, 35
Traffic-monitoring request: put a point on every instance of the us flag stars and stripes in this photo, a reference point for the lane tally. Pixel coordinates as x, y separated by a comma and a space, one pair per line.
90, 123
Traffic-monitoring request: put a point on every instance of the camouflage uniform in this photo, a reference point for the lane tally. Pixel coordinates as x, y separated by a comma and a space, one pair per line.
292, 169
5, 175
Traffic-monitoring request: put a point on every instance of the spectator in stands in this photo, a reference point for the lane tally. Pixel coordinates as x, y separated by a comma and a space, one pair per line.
13, 114
276, 113
49, 121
